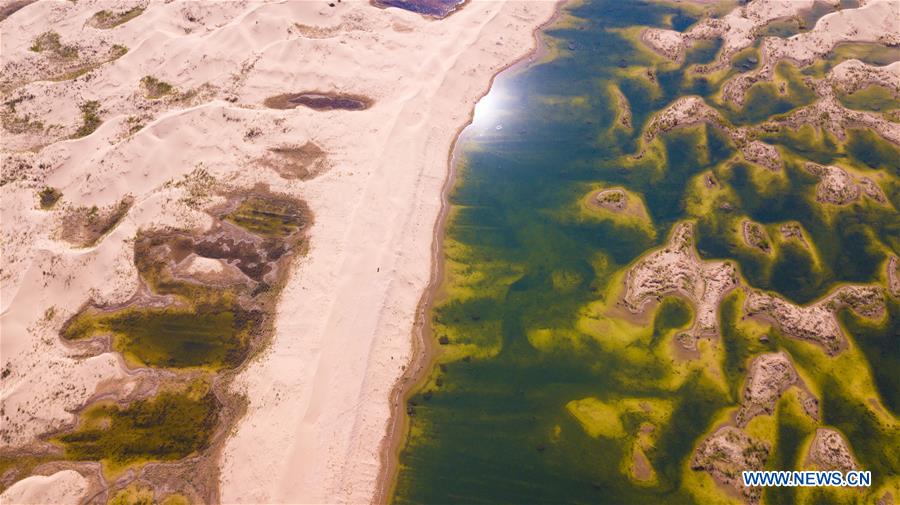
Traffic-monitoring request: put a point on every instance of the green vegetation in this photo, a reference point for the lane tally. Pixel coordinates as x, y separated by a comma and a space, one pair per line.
108, 19
50, 41
876, 341
49, 196
90, 119
793, 427
207, 325
269, 217
139, 495
14, 467
154, 88
194, 326
19, 124
133, 495
215, 336
83, 67
167, 427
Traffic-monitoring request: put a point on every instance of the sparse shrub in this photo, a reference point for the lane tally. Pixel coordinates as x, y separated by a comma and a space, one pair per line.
90, 119
50, 41
117, 51
154, 88
108, 19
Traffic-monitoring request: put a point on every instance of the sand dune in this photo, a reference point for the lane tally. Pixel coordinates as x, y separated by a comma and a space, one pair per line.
318, 397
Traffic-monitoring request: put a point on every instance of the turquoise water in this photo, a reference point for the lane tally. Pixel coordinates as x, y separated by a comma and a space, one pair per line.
529, 273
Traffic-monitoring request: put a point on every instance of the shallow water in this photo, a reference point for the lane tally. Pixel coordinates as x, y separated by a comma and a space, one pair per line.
522, 325
436, 8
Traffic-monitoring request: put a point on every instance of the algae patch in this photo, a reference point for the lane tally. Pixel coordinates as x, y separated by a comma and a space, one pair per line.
169, 426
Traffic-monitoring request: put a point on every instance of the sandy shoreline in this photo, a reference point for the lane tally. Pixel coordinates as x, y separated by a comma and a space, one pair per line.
339, 454
423, 352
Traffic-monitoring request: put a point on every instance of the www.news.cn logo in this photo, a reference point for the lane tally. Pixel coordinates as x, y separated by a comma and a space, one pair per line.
806, 479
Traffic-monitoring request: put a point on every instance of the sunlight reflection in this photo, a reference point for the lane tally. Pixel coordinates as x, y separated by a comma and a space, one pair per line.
488, 110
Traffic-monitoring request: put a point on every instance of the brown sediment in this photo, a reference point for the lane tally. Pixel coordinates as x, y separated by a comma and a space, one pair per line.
11, 8
768, 377
614, 199
301, 162
893, 276
829, 450
725, 453
838, 187
84, 226
623, 108
816, 322
676, 269
793, 230
319, 100
755, 235
640, 464
423, 350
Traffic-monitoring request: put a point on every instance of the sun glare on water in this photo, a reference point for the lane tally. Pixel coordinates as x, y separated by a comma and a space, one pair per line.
488, 111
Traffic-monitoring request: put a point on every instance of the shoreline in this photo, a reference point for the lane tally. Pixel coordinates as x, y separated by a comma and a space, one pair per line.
423, 353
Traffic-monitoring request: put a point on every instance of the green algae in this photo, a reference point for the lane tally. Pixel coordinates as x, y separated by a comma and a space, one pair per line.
793, 426
133, 495
201, 325
871, 150
673, 314
783, 28
873, 54
535, 359
214, 337
167, 427
766, 99
874, 98
140, 495
197, 325
268, 217
208, 327
876, 340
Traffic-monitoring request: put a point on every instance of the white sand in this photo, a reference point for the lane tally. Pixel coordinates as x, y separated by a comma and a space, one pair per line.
318, 406
738, 29
61, 488
877, 21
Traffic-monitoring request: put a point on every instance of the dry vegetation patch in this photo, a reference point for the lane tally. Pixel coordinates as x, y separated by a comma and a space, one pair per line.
297, 162
19, 124
50, 41
84, 226
110, 19
319, 100
154, 88
90, 119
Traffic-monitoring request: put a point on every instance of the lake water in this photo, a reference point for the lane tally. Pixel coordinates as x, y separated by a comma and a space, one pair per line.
529, 275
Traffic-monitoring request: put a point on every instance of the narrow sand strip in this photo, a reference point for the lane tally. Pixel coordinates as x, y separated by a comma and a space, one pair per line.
319, 399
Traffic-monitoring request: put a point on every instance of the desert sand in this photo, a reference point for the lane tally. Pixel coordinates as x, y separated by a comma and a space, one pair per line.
318, 396
67, 486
